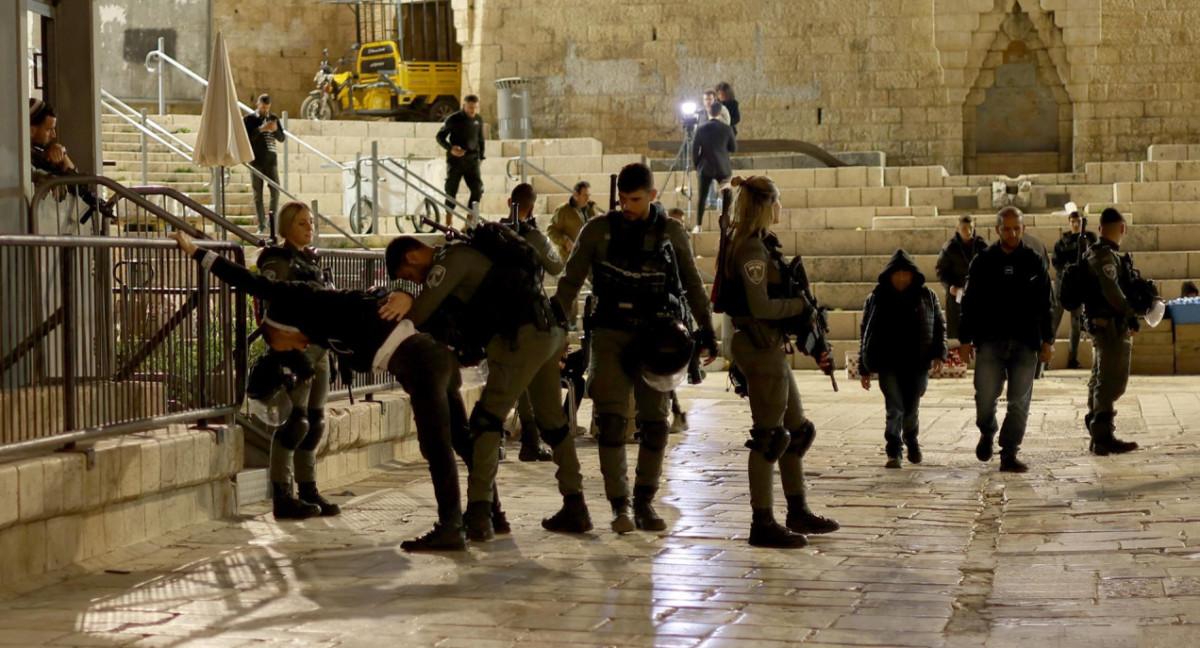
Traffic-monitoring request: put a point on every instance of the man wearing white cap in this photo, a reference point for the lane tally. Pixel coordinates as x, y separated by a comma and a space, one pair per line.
1069, 250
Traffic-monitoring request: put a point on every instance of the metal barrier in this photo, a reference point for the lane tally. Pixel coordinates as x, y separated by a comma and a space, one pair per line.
358, 270
104, 336
525, 165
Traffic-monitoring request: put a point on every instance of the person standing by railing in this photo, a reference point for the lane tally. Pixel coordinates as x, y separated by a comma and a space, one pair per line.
294, 444
265, 132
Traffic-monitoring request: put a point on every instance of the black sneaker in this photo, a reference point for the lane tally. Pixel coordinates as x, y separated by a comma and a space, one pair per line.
983, 449
439, 539
806, 522
1073, 363
892, 462
775, 536
1012, 464
1114, 446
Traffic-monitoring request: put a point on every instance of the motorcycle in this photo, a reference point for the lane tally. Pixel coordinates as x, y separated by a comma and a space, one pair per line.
323, 103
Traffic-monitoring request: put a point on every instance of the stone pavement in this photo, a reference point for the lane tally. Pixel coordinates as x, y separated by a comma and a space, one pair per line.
1081, 551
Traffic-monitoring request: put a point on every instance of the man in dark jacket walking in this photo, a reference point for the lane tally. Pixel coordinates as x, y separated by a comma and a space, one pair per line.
952, 264
462, 137
903, 333
1006, 314
711, 146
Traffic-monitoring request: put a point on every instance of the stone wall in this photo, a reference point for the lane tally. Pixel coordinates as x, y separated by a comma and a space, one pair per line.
892, 75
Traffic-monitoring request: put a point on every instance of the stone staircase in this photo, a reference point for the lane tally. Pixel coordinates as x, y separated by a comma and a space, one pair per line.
846, 221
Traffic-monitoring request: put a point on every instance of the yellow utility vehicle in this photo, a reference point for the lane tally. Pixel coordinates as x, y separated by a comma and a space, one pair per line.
381, 84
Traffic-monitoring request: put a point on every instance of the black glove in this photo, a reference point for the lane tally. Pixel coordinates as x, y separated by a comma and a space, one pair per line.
705, 339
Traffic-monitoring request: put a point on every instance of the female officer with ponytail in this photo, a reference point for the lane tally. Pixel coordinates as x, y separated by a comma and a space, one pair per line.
294, 444
753, 272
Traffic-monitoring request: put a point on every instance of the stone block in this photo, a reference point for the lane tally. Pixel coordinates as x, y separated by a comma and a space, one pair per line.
851, 176
9, 495
796, 219
914, 177
850, 217
876, 196
843, 197
1185, 191
828, 242
825, 178
31, 489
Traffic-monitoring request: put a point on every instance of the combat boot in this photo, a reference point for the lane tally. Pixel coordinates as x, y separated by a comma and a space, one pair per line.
1104, 441
441, 538
287, 507
500, 525
801, 520
478, 521
531, 446
983, 449
644, 515
679, 422
573, 517
309, 493
766, 532
622, 521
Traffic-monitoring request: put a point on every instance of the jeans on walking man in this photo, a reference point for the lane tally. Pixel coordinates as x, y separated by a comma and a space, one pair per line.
1007, 312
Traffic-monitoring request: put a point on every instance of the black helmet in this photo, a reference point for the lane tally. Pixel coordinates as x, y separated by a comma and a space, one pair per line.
664, 349
270, 380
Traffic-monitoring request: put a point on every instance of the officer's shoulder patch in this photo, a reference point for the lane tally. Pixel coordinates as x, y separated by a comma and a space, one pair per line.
1111, 271
269, 274
436, 274
755, 271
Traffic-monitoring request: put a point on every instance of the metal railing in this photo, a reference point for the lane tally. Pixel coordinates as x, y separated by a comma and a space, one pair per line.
433, 199
184, 150
522, 160
105, 336
358, 270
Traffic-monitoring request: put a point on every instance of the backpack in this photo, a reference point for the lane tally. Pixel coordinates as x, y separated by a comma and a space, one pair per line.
509, 296
1075, 285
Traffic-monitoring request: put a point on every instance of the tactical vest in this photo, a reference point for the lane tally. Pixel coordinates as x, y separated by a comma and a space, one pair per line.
638, 280
733, 290
302, 264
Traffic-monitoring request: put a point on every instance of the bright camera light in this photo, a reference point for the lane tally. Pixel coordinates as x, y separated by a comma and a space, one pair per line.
687, 108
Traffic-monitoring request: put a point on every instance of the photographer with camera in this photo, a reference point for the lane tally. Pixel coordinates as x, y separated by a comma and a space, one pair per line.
1111, 307
752, 293
265, 131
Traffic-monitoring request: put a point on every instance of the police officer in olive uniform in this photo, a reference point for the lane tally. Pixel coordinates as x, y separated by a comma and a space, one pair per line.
642, 269
1111, 321
526, 362
295, 443
752, 296
1069, 249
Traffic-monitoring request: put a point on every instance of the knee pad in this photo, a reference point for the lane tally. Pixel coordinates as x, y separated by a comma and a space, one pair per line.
770, 443
802, 439
554, 438
610, 430
654, 435
482, 421
316, 430
293, 430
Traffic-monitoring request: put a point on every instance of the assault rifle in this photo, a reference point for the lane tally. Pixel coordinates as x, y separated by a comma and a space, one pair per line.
812, 334
612, 192
724, 228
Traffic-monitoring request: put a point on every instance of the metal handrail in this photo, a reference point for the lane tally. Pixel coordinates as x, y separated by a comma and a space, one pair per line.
133, 122
523, 159
129, 110
204, 212
316, 213
117, 188
403, 174
163, 56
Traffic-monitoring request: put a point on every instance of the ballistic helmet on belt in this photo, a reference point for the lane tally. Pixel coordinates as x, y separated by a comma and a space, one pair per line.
270, 380
664, 349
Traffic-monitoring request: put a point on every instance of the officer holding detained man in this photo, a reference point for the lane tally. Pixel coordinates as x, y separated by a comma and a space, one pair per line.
487, 292
642, 269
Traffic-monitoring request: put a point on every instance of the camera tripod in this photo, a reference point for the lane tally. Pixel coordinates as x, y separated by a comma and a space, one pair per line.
683, 165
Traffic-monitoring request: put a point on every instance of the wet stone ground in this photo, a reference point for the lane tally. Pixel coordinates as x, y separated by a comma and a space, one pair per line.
1081, 551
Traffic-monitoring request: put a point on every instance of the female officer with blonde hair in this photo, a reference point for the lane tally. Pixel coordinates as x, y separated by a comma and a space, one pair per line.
753, 272
294, 444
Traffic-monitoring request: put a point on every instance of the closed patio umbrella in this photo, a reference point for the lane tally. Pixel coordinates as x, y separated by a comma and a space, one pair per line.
222, 140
